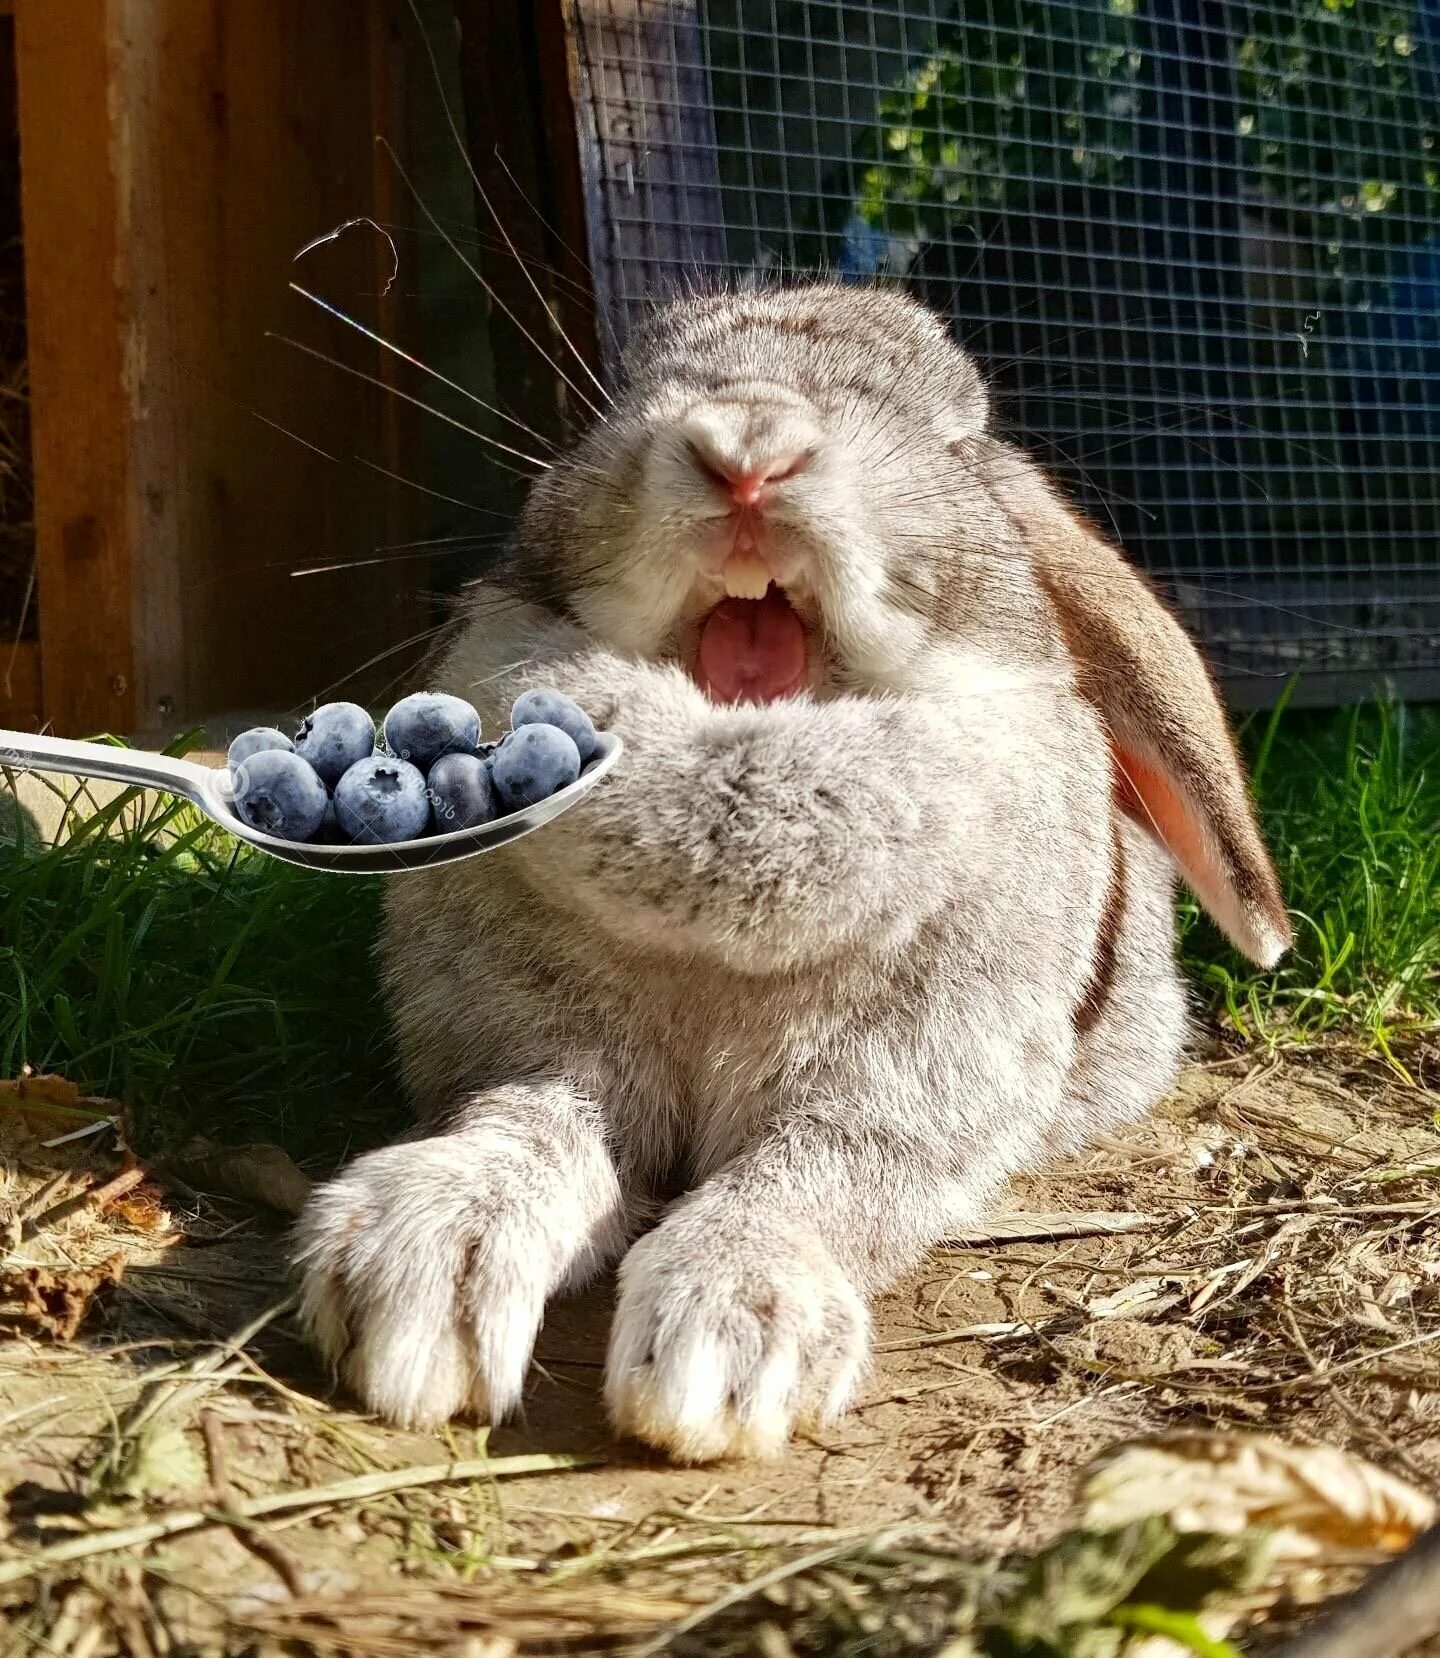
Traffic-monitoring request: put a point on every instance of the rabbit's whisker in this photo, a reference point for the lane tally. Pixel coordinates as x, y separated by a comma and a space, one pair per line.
464, 153
495, 298
419, 403
425, 489
415, 362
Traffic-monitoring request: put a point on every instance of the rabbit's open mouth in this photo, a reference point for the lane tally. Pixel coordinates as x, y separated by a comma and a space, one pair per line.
752, 650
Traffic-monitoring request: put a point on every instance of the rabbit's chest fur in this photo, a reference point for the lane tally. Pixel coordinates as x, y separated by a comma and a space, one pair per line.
687, 1057
872, 889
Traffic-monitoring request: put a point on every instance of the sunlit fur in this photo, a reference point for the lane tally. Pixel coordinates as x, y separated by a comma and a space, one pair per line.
832, 968
864, 539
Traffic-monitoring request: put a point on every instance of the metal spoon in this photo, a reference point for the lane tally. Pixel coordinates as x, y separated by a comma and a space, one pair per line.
209, 789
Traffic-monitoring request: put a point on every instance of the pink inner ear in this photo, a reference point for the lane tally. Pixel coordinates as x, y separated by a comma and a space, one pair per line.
1148, 794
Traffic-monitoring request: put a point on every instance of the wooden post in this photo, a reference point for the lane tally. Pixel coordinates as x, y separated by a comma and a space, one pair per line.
20, 685
79, 386
648, 150
175, 155
591, 132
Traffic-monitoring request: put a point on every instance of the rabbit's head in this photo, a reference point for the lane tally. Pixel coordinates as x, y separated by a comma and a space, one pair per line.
789, 494
795, 490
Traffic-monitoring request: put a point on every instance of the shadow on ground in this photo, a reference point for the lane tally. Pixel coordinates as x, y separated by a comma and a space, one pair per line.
1272, 1261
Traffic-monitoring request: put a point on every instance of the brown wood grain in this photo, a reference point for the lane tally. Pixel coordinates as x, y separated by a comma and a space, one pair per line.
76, 308
20, 685
202, 145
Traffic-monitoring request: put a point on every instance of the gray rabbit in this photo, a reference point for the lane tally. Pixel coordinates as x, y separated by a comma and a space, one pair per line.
876, 911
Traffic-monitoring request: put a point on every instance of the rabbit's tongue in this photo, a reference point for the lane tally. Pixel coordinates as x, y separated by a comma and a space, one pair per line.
752, 650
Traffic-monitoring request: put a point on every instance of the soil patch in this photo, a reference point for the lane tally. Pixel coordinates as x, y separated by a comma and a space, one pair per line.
1272, 1261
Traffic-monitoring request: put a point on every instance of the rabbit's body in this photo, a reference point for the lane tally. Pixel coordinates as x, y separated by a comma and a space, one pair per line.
835, 965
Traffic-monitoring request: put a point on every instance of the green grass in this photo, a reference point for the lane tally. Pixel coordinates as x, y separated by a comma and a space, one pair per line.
209, 988
1351, 806
213, 989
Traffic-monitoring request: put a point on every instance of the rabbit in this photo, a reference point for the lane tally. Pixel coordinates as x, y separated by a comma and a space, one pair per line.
876, 910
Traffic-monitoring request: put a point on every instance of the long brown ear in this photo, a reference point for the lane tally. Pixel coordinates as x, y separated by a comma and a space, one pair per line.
1176, 766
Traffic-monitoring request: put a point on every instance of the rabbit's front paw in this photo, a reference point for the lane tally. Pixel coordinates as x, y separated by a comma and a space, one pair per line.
424, 1276
724, 1342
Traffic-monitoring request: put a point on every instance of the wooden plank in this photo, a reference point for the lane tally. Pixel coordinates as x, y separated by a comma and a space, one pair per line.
20, 706
258, 128
389, 210
592, 135
204, 144
570, 203
79, 401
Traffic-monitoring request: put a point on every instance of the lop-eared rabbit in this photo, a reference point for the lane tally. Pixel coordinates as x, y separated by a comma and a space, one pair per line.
875, 912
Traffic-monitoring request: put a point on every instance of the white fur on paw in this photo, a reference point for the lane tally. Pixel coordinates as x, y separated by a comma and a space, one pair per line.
424, 1279
721, 1349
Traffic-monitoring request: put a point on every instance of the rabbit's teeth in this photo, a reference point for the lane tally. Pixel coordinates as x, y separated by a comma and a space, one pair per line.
746, 577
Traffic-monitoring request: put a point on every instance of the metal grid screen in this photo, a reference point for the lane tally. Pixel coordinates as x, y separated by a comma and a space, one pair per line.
1196, 246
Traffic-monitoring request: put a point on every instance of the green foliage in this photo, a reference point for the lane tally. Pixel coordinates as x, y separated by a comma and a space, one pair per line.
1023, 97
1084, 1595
1018, 94
1351, 805
208, 987
1336, 121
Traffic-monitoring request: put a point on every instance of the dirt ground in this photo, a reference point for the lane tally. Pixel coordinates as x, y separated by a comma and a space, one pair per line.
1272, 1261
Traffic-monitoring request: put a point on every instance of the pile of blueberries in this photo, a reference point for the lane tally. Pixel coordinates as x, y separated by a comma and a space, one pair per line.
332, 784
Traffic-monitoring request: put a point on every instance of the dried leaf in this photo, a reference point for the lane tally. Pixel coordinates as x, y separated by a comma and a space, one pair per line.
53, 1301
1131, 1300
40, 1090
52, 1105
144, 1209
260, 1173
1315, 1498
158, 1461
91, 1197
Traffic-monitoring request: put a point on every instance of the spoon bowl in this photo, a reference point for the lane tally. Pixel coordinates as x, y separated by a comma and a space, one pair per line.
209, 789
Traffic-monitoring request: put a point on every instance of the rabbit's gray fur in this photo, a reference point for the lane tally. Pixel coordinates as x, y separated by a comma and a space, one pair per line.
835, 967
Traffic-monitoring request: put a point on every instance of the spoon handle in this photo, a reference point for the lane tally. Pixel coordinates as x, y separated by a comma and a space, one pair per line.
25, 752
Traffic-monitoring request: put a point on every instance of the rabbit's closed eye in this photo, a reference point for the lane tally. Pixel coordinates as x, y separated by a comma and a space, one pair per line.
784, 499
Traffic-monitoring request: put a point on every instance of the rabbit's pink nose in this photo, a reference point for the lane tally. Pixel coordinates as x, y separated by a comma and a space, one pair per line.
748, 486
748, 483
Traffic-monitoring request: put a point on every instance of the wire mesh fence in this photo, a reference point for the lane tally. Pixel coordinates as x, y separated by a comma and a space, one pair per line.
1195, 244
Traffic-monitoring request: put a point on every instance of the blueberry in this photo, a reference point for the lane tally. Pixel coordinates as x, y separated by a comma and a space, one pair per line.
279, 793
330, 833
462, 794
422, 727
536, 762
334, 737
550, 708
380, 800
255, 740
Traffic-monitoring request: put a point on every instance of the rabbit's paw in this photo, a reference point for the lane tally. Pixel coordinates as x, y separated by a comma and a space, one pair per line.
724, 1341
424, 1274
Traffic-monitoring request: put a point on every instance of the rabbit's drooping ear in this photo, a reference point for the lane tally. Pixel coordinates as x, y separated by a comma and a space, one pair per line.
1177, 770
